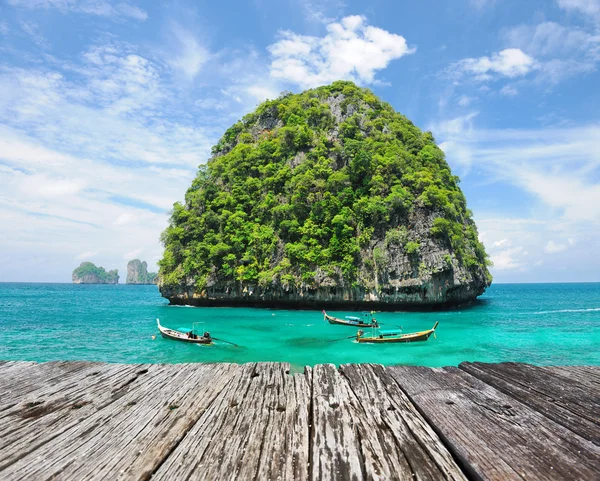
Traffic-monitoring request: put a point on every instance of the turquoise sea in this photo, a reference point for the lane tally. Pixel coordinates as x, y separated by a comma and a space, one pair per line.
535, 323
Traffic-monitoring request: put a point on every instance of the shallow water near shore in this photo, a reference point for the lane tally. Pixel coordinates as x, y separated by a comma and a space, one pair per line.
536, 323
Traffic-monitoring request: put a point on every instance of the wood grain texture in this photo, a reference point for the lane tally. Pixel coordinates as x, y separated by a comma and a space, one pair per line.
336, 452
56, 407
493, 435
257, 428
20, 379
565, 400
80, 420
395, 440
127, 436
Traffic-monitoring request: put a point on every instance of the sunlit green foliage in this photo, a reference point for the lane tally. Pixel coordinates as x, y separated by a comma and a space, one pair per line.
412, 247
290, 190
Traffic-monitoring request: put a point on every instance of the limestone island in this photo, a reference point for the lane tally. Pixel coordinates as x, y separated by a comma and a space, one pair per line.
327, 198
88, 273
137, 273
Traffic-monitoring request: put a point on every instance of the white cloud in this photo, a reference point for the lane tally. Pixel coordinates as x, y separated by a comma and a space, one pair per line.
103, 8
132, 254
465, 100
453, 134
86, 255
321, 11
351, 50
510, 62
210, 103
554, 119
556, 70
32, 30
586, 7
119, 80
260, 92
92, 156
462, 125
116, 99
509, 259
554, 247
514, 244
4, 28
42, 185
561, 51
549, 39
124, 219
509, 91
501, 243
557, 167
187, 54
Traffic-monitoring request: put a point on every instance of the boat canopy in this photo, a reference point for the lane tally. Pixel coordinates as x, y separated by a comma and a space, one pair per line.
390, 332
352, 318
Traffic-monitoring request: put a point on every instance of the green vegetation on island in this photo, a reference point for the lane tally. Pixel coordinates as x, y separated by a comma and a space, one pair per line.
89, 273
327, 188
137, 273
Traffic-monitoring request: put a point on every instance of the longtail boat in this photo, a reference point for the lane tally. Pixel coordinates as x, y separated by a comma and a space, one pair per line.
395, 336
191, 336
367, 320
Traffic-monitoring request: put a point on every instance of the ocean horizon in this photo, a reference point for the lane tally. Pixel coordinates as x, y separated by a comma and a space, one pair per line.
543, 324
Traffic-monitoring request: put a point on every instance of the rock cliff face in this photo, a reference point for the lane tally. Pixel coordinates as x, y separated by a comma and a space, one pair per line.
137, 273
324, 199
88, 273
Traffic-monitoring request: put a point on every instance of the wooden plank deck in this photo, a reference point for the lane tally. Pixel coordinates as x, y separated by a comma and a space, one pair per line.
79, 420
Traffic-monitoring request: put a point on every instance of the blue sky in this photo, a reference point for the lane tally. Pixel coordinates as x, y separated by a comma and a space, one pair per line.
107, 108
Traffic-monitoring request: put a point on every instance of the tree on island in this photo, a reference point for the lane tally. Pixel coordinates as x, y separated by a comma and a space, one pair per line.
327, 195
89, 273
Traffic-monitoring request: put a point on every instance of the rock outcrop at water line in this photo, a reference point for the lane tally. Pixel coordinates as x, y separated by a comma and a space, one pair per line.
137, 273
88, 273
328, 198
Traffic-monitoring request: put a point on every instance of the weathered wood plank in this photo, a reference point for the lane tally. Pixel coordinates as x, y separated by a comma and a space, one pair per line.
129, 438
40, 418
335, 445
19, 380
147, 448
493, 435
65, 383
285, 451
589, 376
256, 429
186, 461
395, 440
77, 420
564, 400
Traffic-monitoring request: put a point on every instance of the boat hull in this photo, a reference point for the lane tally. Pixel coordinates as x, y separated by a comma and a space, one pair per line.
345, 322
404, 338
408, 338
202, 340
181, 336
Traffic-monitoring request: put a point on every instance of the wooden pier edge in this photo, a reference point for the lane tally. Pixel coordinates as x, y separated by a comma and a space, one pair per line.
82, 420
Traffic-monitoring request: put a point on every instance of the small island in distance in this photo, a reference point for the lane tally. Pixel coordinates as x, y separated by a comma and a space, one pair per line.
137, 273
89, 273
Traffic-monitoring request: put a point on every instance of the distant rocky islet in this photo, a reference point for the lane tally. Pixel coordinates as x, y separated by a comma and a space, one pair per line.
89, 273
137, 273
